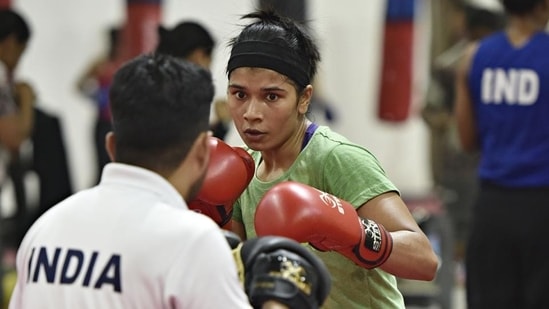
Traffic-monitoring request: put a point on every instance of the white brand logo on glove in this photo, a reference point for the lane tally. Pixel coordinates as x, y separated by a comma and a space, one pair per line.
332, 201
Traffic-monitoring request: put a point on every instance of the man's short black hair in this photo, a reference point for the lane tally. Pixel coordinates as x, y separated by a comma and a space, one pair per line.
160, 104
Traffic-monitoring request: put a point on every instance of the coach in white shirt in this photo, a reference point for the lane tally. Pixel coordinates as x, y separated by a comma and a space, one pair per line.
131, 241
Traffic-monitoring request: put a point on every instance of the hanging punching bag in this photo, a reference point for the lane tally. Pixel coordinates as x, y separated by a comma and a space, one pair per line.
5, 4
396, 75
140, 30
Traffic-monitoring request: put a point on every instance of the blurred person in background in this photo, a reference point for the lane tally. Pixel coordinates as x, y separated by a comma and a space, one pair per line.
453, 169
502, 107
95, 83
16, 124
191, 41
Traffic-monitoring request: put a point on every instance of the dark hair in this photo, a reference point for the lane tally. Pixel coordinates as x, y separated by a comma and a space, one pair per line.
285, 35
477, 17
160, 104
183, 39
13, 23
520, 7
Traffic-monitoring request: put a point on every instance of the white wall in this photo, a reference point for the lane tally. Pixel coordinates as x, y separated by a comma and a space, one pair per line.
67, 34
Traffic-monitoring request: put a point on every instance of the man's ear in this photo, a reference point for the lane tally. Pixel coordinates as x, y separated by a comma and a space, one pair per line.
305, 100
201, 151
192, 169
110, 145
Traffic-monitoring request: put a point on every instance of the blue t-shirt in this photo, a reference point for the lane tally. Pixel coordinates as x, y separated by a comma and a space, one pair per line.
510, 93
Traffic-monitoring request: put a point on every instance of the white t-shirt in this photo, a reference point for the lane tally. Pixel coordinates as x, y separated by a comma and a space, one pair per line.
130, 242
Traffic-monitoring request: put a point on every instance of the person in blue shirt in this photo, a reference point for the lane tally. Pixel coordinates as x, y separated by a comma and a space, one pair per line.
502, 106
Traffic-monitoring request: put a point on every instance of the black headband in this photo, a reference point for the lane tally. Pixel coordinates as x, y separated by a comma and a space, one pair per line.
260, 54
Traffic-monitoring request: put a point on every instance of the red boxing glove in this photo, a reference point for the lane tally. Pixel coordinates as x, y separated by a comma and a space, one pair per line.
306, 214
229, 172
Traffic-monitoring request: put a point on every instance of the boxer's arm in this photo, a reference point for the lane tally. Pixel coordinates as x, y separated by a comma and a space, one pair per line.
367, 238
412, 256
306, 214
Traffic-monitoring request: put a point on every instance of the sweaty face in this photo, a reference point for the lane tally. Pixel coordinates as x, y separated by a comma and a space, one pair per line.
264, 107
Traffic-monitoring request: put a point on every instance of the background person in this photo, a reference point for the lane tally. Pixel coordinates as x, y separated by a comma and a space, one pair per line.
16, 125
16, 98
454, 170
94, 84
193, 42
502, 106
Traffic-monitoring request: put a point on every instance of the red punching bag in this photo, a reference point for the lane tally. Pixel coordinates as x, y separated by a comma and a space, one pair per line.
139, 34
396, 75
5, 4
